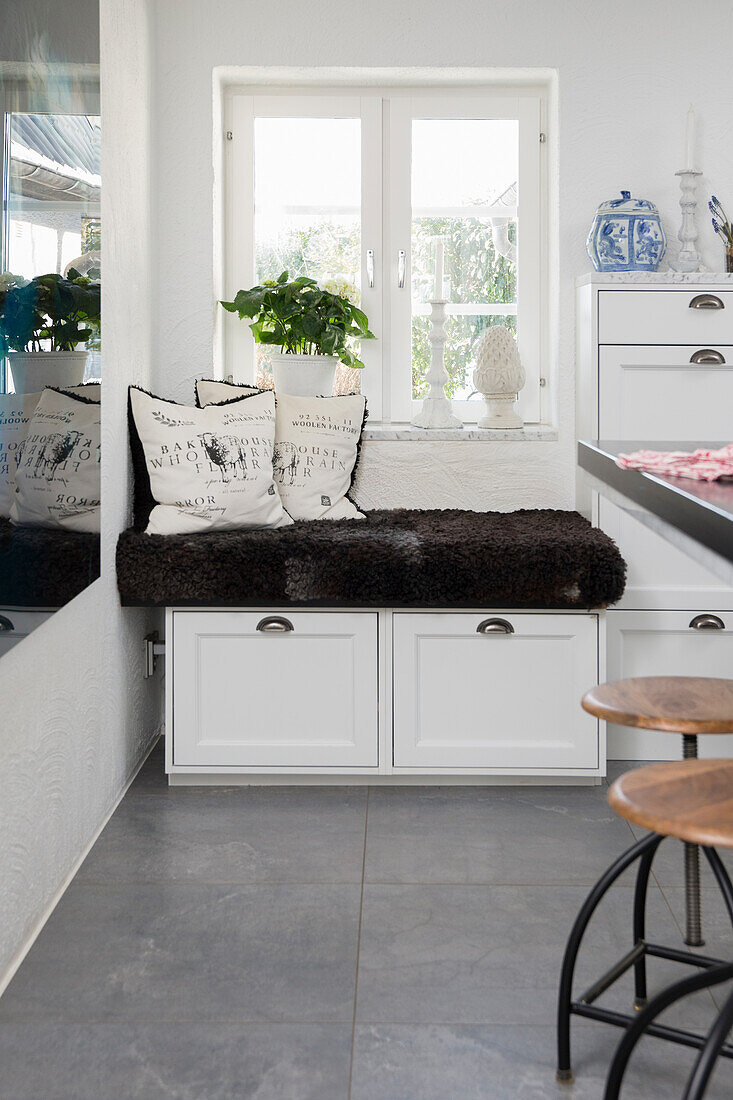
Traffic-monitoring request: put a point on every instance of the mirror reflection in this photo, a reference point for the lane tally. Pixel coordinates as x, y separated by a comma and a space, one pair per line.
50, 338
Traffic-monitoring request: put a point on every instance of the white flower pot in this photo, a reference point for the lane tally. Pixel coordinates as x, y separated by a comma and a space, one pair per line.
304, 375
32, 370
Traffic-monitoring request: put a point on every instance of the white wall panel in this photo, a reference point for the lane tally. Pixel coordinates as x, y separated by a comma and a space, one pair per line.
76, 714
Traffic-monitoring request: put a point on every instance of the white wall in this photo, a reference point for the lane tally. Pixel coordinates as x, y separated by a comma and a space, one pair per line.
76, 714
627, 74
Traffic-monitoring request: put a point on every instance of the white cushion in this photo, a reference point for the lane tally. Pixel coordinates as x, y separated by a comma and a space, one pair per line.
16, 410
57, 478
209, 469
209, 391
316, 448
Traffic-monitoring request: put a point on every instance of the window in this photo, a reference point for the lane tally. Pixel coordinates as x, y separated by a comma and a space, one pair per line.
51, 198
356, 189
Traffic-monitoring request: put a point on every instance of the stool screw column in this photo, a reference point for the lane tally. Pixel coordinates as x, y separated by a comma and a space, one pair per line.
693, 933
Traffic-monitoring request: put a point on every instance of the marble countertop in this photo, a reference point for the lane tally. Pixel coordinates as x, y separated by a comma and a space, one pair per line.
408, 433
654, 278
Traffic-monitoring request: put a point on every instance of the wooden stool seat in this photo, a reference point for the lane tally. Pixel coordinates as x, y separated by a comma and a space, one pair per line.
670, 704
690, 799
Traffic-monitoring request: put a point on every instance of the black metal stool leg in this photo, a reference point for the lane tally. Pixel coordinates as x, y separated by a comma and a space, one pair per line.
640, 896
703, 980
693, 919
647, 843
706, 1059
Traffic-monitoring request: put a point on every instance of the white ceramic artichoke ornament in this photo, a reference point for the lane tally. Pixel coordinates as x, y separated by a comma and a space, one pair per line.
499, 376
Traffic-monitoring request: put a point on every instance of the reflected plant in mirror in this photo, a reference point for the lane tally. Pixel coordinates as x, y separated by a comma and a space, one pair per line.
50, 338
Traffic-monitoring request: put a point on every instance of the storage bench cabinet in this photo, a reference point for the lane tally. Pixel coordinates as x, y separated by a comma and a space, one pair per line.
279, 693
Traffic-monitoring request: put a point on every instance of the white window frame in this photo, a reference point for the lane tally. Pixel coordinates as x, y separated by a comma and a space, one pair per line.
386, 113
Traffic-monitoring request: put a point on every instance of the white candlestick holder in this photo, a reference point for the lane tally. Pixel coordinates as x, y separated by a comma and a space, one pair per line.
688, 258
436, 411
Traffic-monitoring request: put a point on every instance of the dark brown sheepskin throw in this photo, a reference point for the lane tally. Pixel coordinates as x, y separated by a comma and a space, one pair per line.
45, 567
530, 558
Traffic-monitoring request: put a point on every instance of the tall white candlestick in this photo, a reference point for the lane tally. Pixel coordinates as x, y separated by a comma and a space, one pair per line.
438, 285
690, 140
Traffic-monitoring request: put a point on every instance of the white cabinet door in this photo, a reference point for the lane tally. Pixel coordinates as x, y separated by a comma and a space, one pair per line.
244, 696
658, 574
656, 393
663, 643
17, 625
665, 316
465, 699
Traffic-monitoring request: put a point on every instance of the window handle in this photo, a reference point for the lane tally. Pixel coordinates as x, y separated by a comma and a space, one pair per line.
401, 266
370, 266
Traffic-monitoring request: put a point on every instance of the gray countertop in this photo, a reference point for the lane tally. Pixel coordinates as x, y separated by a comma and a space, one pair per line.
700, 512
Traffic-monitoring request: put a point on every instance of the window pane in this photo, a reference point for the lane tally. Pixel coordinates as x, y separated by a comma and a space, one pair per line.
464, 191
53, 198
308, 210
462, 331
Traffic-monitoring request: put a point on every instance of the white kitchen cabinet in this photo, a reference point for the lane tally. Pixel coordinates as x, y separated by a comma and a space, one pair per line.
659, 576
667, 643
496, 691
653, 367
286, 689
688, 313
379, 696
15, 625
655, 392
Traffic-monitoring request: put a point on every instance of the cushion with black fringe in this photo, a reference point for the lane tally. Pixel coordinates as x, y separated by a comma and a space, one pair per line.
538, 558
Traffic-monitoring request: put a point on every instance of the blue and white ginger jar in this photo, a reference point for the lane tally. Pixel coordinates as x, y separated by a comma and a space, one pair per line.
626, 235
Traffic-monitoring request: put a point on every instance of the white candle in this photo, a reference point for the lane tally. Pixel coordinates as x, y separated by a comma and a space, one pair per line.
438, 285
690, 140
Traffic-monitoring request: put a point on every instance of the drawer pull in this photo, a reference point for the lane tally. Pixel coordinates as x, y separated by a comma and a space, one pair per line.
707, 355
707, 301
707, 622
494, 626
5, 624
275, 624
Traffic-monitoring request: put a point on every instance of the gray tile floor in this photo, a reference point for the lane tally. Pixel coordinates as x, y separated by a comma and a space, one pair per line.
325, 944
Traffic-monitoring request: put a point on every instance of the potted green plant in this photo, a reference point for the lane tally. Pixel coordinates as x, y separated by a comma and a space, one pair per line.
314, 329
44, 324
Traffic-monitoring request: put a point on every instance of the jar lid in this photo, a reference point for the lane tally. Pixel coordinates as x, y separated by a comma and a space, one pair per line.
627, 205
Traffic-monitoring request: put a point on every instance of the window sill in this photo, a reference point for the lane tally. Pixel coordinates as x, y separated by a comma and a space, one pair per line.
406, 432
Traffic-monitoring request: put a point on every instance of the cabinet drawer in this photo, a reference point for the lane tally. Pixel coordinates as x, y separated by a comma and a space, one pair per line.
664, 317
659, 575
247, 697
657, 393
464, 699
663, 643
21, 625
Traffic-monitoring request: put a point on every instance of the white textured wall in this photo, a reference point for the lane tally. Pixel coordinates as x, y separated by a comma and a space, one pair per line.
76, 714
627, 74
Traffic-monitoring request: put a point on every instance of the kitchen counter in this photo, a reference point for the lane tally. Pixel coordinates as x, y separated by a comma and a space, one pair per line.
695, 516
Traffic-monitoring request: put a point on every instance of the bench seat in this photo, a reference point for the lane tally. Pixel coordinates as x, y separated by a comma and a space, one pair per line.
538, 558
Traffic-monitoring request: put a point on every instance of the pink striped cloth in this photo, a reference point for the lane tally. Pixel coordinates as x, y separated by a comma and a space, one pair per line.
702, 465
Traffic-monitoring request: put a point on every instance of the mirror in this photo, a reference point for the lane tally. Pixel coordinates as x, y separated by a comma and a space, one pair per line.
50, 319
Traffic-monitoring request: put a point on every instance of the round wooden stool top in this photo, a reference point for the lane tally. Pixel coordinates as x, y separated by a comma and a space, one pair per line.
688, 799
672, 704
